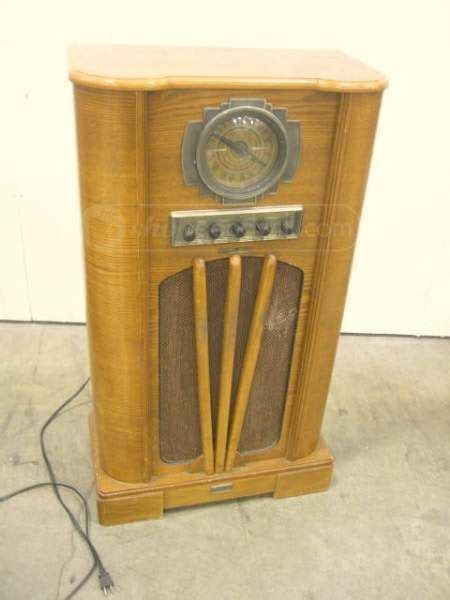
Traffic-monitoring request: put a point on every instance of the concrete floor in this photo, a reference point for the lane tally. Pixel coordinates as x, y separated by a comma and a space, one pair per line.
380, 532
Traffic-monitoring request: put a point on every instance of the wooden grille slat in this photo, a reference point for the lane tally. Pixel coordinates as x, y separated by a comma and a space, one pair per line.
251, 355
268, 395
227, 359
202, 355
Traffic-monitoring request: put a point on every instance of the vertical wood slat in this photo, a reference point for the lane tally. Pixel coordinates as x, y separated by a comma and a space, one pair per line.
350, 159
227, 359
251, 355
202, 352
144, 272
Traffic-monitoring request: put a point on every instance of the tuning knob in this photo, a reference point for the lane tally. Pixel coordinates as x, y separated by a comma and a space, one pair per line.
287, 226
263, 228
189, 233
214, 231
238, 230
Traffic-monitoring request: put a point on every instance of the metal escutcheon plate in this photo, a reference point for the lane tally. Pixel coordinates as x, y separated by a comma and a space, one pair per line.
225, 226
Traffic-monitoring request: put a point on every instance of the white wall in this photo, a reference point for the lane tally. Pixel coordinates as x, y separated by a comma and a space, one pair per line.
401, 277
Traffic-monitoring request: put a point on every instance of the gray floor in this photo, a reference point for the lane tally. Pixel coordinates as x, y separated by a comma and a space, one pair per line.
381, 531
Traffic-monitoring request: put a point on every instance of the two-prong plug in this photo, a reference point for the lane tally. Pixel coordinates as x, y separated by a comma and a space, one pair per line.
106, 582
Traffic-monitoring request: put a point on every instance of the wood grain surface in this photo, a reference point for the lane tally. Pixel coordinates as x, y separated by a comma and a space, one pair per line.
113, 222
156, 68
202, 356
230, 324
252, 347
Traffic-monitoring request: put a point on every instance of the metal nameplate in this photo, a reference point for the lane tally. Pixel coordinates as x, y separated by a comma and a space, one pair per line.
231, 226
219, 488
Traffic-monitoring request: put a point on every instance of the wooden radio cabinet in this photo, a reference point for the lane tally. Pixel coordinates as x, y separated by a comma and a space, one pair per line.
221, 192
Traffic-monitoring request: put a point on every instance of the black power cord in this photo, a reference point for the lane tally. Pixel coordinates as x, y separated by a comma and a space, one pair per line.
105, 581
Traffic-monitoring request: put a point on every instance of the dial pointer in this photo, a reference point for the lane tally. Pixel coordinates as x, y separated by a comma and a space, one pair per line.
238, 149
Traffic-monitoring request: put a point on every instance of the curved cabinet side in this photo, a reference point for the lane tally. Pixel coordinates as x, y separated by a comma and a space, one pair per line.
113, 211
349, 167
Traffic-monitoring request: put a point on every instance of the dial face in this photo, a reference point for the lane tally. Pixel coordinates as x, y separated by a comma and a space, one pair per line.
242, 152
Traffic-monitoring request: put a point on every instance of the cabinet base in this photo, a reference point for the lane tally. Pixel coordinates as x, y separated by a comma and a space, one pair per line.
119, 502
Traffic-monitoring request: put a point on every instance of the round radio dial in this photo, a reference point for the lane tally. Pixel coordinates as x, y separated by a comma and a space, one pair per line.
242, 152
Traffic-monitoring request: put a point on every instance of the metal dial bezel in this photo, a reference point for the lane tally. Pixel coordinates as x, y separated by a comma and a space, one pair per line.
269, 181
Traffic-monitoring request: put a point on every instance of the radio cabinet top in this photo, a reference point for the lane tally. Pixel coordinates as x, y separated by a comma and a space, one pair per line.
158, 68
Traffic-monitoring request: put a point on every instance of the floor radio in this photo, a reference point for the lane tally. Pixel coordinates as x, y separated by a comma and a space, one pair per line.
221, 192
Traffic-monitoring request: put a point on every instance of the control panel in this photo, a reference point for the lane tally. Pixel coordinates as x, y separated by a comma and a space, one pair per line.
226, 226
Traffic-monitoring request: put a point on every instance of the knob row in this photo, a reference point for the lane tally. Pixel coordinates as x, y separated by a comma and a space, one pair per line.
262, 227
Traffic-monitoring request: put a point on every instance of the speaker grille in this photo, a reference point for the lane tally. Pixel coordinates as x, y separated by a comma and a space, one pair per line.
180, 439
262, 425
179, 426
